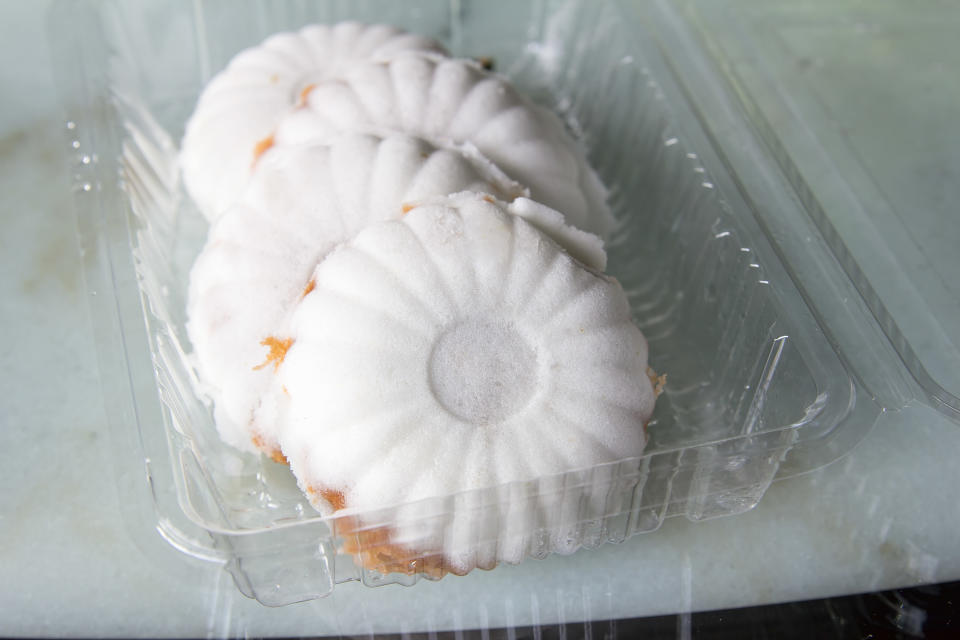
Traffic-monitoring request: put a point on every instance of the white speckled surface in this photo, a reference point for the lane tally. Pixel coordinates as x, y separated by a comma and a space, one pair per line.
71, 565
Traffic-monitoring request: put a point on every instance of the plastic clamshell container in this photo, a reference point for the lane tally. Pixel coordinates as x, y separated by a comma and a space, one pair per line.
776, 360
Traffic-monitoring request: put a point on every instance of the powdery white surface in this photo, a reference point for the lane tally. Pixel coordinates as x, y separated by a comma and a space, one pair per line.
455, 349
241, 105
455, 100
259, 255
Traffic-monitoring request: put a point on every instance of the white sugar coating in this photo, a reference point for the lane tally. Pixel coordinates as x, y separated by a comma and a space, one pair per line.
241, 105
445, 99
454, 349
260, 254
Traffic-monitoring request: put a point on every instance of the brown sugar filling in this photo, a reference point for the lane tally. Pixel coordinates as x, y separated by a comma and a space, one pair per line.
278, 351
486, 62
272, 452
305, 95
659, 381
372, 547
261, 147
310, 287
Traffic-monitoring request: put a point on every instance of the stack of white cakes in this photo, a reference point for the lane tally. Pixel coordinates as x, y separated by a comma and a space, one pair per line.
402, 295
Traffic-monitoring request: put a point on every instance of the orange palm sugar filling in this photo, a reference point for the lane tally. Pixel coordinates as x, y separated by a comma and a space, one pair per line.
659, 381
278, 351
406, 207
261, 147
305, 95
310, 287
275, 454
372, 548
335, 498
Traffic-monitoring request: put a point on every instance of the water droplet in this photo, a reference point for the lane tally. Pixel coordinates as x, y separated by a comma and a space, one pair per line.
75, 144
71, 125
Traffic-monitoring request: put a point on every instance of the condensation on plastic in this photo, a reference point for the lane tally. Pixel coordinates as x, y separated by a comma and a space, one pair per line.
757, 388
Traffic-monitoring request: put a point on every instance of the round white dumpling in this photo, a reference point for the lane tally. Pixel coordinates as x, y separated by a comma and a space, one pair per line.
458, 348
239, 108
445, 100
260, 254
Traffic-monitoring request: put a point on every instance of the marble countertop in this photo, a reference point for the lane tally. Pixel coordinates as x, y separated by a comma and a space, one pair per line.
884, 516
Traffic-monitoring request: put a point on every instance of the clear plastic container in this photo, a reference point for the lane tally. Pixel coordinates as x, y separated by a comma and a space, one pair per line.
776, 357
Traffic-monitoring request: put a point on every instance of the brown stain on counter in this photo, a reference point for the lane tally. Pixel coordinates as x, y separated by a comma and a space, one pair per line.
54, 263
34, 166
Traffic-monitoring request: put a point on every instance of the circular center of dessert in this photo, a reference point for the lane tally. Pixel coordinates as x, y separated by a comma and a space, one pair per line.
482, 372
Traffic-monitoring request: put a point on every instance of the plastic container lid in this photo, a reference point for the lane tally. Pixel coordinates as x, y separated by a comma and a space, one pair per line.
864, 128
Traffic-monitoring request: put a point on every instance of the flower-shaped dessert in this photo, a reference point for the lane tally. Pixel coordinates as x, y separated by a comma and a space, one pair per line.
239, 108
260, 254
451, 100
457, 348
